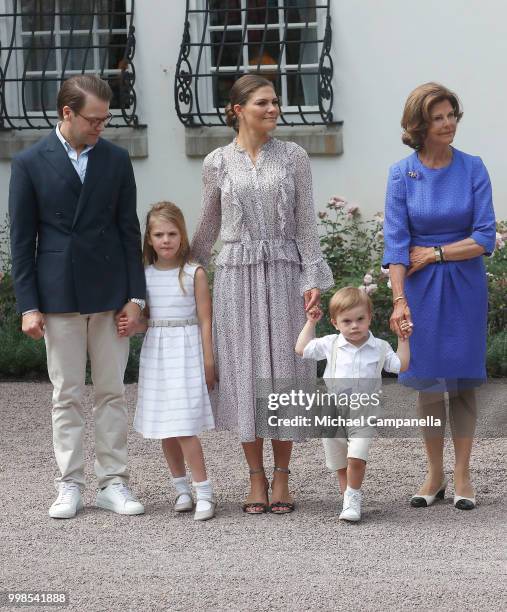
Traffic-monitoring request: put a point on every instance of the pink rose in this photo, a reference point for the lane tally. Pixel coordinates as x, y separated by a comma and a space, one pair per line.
336, 202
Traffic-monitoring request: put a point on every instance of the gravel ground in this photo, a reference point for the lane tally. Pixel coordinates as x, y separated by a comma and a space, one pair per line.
397, 558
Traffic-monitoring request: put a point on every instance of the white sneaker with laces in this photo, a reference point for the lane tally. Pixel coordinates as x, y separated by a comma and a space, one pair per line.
68, 503
118, 498
351, 505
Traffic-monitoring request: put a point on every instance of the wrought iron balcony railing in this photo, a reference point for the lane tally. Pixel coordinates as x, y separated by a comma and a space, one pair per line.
43, 42
287, 41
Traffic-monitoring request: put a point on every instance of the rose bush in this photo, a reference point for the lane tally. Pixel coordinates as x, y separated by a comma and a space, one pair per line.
353, 249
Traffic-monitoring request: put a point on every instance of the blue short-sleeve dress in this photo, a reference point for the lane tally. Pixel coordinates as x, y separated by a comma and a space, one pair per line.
448, 301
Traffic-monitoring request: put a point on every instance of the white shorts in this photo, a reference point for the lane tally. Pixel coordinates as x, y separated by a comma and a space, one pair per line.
338, 450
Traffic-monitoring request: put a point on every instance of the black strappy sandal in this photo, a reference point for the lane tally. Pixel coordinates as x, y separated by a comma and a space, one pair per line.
256, 507
281, 507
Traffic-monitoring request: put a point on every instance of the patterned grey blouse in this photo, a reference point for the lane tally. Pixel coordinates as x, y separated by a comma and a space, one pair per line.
262, 212
270, 256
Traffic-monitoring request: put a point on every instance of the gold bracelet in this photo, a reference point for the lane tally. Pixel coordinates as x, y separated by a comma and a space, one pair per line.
400, 297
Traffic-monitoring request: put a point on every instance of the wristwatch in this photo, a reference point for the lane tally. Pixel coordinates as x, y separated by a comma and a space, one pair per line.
139, 302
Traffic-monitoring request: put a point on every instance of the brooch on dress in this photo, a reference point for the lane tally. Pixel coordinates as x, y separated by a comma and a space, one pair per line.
413, 174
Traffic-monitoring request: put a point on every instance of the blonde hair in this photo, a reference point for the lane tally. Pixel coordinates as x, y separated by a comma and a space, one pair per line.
416, 114
167, 211
347, 298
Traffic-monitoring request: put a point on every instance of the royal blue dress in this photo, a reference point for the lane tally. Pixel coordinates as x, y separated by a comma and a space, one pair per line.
448, 301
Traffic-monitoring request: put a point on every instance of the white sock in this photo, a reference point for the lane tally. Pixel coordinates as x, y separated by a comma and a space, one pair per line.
183, 489
349, 489
204, 495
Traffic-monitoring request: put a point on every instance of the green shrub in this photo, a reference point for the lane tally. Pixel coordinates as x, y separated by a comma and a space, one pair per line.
352, 247
496, 360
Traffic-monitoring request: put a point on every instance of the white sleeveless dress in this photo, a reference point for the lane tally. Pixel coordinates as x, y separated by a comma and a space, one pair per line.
172, 397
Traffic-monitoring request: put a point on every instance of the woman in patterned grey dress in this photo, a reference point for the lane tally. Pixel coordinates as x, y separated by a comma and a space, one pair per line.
257, 195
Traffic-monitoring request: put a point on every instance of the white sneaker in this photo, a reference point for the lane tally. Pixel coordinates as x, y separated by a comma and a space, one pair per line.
68, 503
118, 498
351, 506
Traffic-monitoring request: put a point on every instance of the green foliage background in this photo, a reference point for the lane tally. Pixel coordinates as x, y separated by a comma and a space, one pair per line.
352, 248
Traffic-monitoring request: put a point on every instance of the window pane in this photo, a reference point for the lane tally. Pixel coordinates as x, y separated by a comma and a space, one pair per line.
32, 90
77, 14
267, 54
76, 52
39, 53
112, 51
302, 46
31, 18
262, 11
221, 86
302, 89
105, 17
120, 89
228, 52
295, 13
231, 16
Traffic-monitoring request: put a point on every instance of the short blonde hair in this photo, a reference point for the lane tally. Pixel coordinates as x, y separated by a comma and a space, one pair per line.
416, 114
347, 298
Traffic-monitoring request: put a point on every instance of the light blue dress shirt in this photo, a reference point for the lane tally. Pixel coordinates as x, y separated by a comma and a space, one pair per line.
80, 162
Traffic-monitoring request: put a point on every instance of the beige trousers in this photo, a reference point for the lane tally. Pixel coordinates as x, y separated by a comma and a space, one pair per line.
69, 338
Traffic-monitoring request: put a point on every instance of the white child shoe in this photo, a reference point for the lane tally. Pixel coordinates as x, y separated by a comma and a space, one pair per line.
206, 504
68, 503
351, 505
183, 501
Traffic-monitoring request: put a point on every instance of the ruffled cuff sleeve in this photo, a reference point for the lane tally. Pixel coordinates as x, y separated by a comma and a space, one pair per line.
208, 226
315, 271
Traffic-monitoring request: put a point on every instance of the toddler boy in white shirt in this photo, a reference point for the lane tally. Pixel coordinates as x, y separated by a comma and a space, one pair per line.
353, 353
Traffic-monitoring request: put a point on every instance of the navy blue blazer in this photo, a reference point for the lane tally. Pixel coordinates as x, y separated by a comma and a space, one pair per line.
75, 247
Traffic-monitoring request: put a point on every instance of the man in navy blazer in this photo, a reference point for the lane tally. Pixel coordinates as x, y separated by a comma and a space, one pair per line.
77, 264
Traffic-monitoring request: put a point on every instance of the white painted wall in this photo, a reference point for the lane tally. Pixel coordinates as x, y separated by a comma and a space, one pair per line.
381, 51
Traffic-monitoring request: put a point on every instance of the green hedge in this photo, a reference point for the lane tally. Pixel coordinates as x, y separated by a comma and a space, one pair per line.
353, 249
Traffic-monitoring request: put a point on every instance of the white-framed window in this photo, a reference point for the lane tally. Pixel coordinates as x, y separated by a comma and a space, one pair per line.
283, 40
47, 41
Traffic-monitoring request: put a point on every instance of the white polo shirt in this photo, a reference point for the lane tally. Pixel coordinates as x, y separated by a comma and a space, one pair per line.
353, 361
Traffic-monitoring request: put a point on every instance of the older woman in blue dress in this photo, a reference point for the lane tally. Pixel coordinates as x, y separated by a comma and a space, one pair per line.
439, 222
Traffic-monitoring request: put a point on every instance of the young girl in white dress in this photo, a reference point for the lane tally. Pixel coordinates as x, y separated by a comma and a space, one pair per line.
176, 368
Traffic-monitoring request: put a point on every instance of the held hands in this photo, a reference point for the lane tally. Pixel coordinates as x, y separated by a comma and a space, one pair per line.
314, 315
401, 320
32, 324
312, 298
127, 319
420, 257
